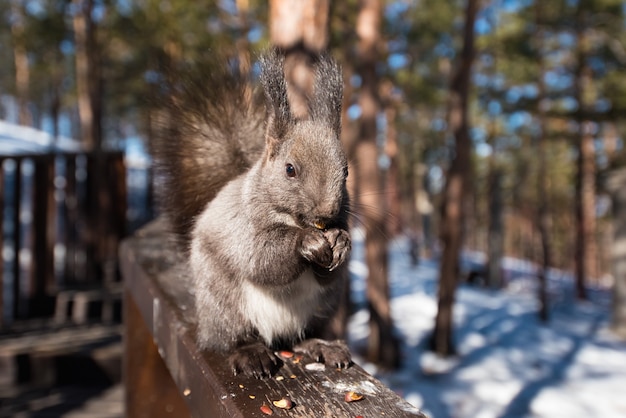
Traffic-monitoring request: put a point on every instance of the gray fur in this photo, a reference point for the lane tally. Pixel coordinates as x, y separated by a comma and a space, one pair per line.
268, 250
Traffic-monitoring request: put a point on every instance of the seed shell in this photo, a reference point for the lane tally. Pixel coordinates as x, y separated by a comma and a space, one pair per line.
266, 410
285, 354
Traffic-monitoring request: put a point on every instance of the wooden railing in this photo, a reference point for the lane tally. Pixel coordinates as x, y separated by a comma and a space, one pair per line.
63, 215
167, 375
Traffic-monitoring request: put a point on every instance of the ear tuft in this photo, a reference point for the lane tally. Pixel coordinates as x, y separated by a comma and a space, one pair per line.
275, 88
325, 105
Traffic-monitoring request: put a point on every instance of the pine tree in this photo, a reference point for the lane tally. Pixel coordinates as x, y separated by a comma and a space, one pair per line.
454, 194
383, 347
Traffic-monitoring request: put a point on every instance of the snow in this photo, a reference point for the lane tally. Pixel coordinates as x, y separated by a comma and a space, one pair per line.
20, 140
509, 364
16, 139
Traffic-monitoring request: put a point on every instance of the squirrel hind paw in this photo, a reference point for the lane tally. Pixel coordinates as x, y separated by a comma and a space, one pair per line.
254, 360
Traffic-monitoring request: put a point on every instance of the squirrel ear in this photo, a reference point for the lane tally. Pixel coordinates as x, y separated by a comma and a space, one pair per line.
325, 105
275, 87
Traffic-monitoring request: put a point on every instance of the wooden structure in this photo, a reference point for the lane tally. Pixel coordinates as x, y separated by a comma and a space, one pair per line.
167, 376
75, 202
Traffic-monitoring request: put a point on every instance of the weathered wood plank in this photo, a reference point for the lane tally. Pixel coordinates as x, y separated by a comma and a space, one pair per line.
2, 203
42, 280
18, 308
155, 277
57, 339
71, 235
154, 394
35, 356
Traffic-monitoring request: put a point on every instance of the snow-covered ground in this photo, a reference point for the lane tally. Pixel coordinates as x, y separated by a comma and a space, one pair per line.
509, 364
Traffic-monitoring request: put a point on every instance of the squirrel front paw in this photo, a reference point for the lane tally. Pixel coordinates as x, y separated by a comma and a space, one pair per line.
255, 359
316, 248
339, 240
328, 248
332, 353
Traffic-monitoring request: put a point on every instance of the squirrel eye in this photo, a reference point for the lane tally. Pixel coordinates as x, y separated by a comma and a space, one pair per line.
290, 170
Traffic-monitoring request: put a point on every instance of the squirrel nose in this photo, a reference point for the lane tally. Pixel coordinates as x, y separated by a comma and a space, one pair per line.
326, 212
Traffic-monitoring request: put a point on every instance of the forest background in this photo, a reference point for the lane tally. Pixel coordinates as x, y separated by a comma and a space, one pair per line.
489, 125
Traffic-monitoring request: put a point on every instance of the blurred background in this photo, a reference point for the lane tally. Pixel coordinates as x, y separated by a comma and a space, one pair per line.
488, 180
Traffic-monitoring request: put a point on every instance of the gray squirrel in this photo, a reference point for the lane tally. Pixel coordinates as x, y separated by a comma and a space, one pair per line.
260, 200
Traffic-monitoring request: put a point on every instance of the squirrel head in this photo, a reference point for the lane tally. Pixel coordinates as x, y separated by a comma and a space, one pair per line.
304, 167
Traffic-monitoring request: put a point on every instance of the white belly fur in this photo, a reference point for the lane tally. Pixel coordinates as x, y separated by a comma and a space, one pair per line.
282, 313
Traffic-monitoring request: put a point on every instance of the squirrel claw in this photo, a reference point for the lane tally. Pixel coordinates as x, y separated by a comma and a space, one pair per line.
329, 352
255, 360
341, 245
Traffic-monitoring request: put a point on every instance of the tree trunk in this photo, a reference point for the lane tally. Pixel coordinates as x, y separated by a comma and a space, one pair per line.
55, 112
382, 346
22, 68
495, 231
55, 89
495, 241
88, 84
585, 210
392, 180
300, 28
454, 193
585, 250
342, 13
616, 185
543, 225
543, 214
242, 43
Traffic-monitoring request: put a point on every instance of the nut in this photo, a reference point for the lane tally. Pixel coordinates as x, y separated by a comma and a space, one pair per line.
353, 396
284, 403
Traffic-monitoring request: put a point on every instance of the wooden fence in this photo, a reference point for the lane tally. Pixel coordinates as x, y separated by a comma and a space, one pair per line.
63, 215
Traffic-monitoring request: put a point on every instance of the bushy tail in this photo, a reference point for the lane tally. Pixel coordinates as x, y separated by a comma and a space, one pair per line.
212, 131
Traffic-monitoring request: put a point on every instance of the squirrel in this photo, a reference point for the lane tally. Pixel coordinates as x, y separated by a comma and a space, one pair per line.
260, 200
